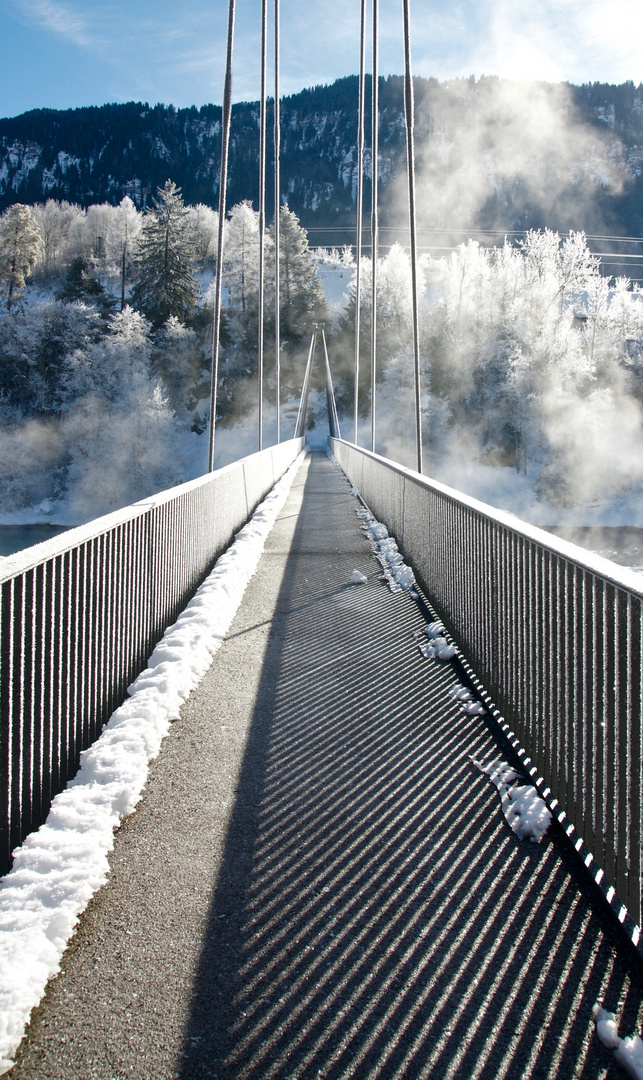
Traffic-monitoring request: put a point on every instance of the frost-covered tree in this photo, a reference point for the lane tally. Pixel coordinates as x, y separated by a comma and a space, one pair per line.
122, 434
203, 222
115, 366
301, 295
35, 345
55, 223
165, 282
81, 284
122, 240
241, 258
179, 360
20, 247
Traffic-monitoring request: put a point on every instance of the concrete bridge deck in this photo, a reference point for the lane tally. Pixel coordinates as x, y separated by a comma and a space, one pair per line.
317, 882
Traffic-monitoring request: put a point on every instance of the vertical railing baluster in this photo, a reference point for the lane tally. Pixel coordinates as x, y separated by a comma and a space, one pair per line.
611, 735
551, 615
25, 677
14, 612
635, 763
585, 825
47, 685
622, 722
6, 712
41, 748
574, 750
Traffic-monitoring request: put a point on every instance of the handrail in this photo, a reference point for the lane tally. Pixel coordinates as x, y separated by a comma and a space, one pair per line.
81, 613
554, 634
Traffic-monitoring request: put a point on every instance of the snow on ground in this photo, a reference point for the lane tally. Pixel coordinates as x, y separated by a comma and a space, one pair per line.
395, 571
58, 868
628, 1052
522, 806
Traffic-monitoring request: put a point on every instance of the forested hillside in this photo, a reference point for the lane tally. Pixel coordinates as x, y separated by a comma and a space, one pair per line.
512, 155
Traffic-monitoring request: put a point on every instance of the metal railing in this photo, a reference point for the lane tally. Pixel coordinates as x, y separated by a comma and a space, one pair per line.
80, 615
554, 634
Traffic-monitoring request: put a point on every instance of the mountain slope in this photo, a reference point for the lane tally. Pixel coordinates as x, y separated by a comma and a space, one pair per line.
490, 154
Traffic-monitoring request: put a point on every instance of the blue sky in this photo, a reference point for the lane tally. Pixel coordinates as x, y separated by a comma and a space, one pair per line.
66, 53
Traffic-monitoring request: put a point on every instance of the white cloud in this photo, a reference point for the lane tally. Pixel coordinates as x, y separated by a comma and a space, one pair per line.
59, 18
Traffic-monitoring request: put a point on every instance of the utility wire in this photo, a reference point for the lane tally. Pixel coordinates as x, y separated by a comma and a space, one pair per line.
374, 216
409, 106
277, 140
262, 215
223, 183
360, 198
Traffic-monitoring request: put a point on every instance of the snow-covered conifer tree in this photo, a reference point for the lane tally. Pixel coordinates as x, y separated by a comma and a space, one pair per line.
165, 283
241, 258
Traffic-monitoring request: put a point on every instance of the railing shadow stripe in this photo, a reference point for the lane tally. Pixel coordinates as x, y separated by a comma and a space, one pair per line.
374, 916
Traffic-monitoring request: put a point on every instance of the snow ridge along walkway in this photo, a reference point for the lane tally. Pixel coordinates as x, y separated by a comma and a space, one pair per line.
317, 880
61, 865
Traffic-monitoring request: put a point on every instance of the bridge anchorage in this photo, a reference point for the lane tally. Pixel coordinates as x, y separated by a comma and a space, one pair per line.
334, 702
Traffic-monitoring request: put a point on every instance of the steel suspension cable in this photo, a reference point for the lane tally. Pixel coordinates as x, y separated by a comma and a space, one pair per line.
374, 216
223, 183
409, 113
333, 418
360, 199
300, 423
262, 214
277, 140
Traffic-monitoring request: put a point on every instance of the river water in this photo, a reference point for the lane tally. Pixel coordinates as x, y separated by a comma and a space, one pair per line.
16, 537
622, 544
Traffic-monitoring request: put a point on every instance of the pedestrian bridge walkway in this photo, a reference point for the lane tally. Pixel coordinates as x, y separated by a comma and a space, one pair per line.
318, 882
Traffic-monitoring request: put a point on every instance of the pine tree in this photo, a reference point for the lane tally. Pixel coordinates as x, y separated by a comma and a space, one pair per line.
20, 246
241, 258
165, 284
81, 285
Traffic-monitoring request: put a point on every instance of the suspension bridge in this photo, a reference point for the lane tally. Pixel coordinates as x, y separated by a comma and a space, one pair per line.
320, 880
